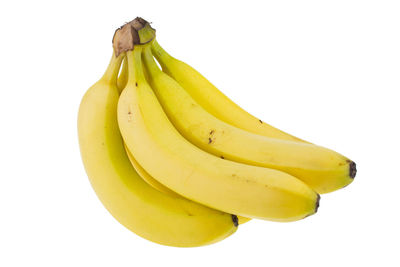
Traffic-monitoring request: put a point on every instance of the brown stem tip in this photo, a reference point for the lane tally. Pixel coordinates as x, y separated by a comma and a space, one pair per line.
317, 203
235, 220
135, 32
352, 169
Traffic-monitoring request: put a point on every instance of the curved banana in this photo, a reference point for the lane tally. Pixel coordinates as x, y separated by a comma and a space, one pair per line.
322, 169
228, 186
212, 99
157, 185
147, 177
121, 83
136, 205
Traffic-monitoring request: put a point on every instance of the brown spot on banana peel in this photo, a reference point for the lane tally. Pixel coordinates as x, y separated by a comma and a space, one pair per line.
260, 121
211, 132
209, 140
222, 157
130, 117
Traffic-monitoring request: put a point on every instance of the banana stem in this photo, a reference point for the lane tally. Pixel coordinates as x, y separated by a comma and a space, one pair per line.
111, 74
160, 54
135, 67
149, 62
131, 68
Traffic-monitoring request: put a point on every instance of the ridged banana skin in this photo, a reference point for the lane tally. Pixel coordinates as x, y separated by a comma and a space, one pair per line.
136, 205
228, 186
322, 169
159, 186
212, 99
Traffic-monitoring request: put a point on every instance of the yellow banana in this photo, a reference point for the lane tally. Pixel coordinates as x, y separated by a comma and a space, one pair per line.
212, 99
147, 177
121, 83
157, 185
322, 169
136, 205
228, 186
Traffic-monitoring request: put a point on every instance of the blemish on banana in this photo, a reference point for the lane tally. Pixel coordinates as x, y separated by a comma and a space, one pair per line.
130, 117
136, 84
222, 157
260, 121
211, 132
209, 140
344, 163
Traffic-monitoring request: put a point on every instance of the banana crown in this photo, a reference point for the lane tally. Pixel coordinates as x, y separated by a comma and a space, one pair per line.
135, 32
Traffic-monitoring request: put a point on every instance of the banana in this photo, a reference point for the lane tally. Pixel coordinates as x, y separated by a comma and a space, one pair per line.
322, 169
121, 83
139, 207
157, 185
235, 188
147, 177
212, 99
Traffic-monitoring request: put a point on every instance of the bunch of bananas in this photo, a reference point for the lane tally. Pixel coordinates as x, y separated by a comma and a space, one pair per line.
177, 162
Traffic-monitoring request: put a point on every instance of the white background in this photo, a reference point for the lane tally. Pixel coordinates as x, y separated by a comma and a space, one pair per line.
326, 71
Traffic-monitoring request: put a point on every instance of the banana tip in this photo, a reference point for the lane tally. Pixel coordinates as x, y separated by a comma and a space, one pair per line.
235, 220
352, 169
317, 203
